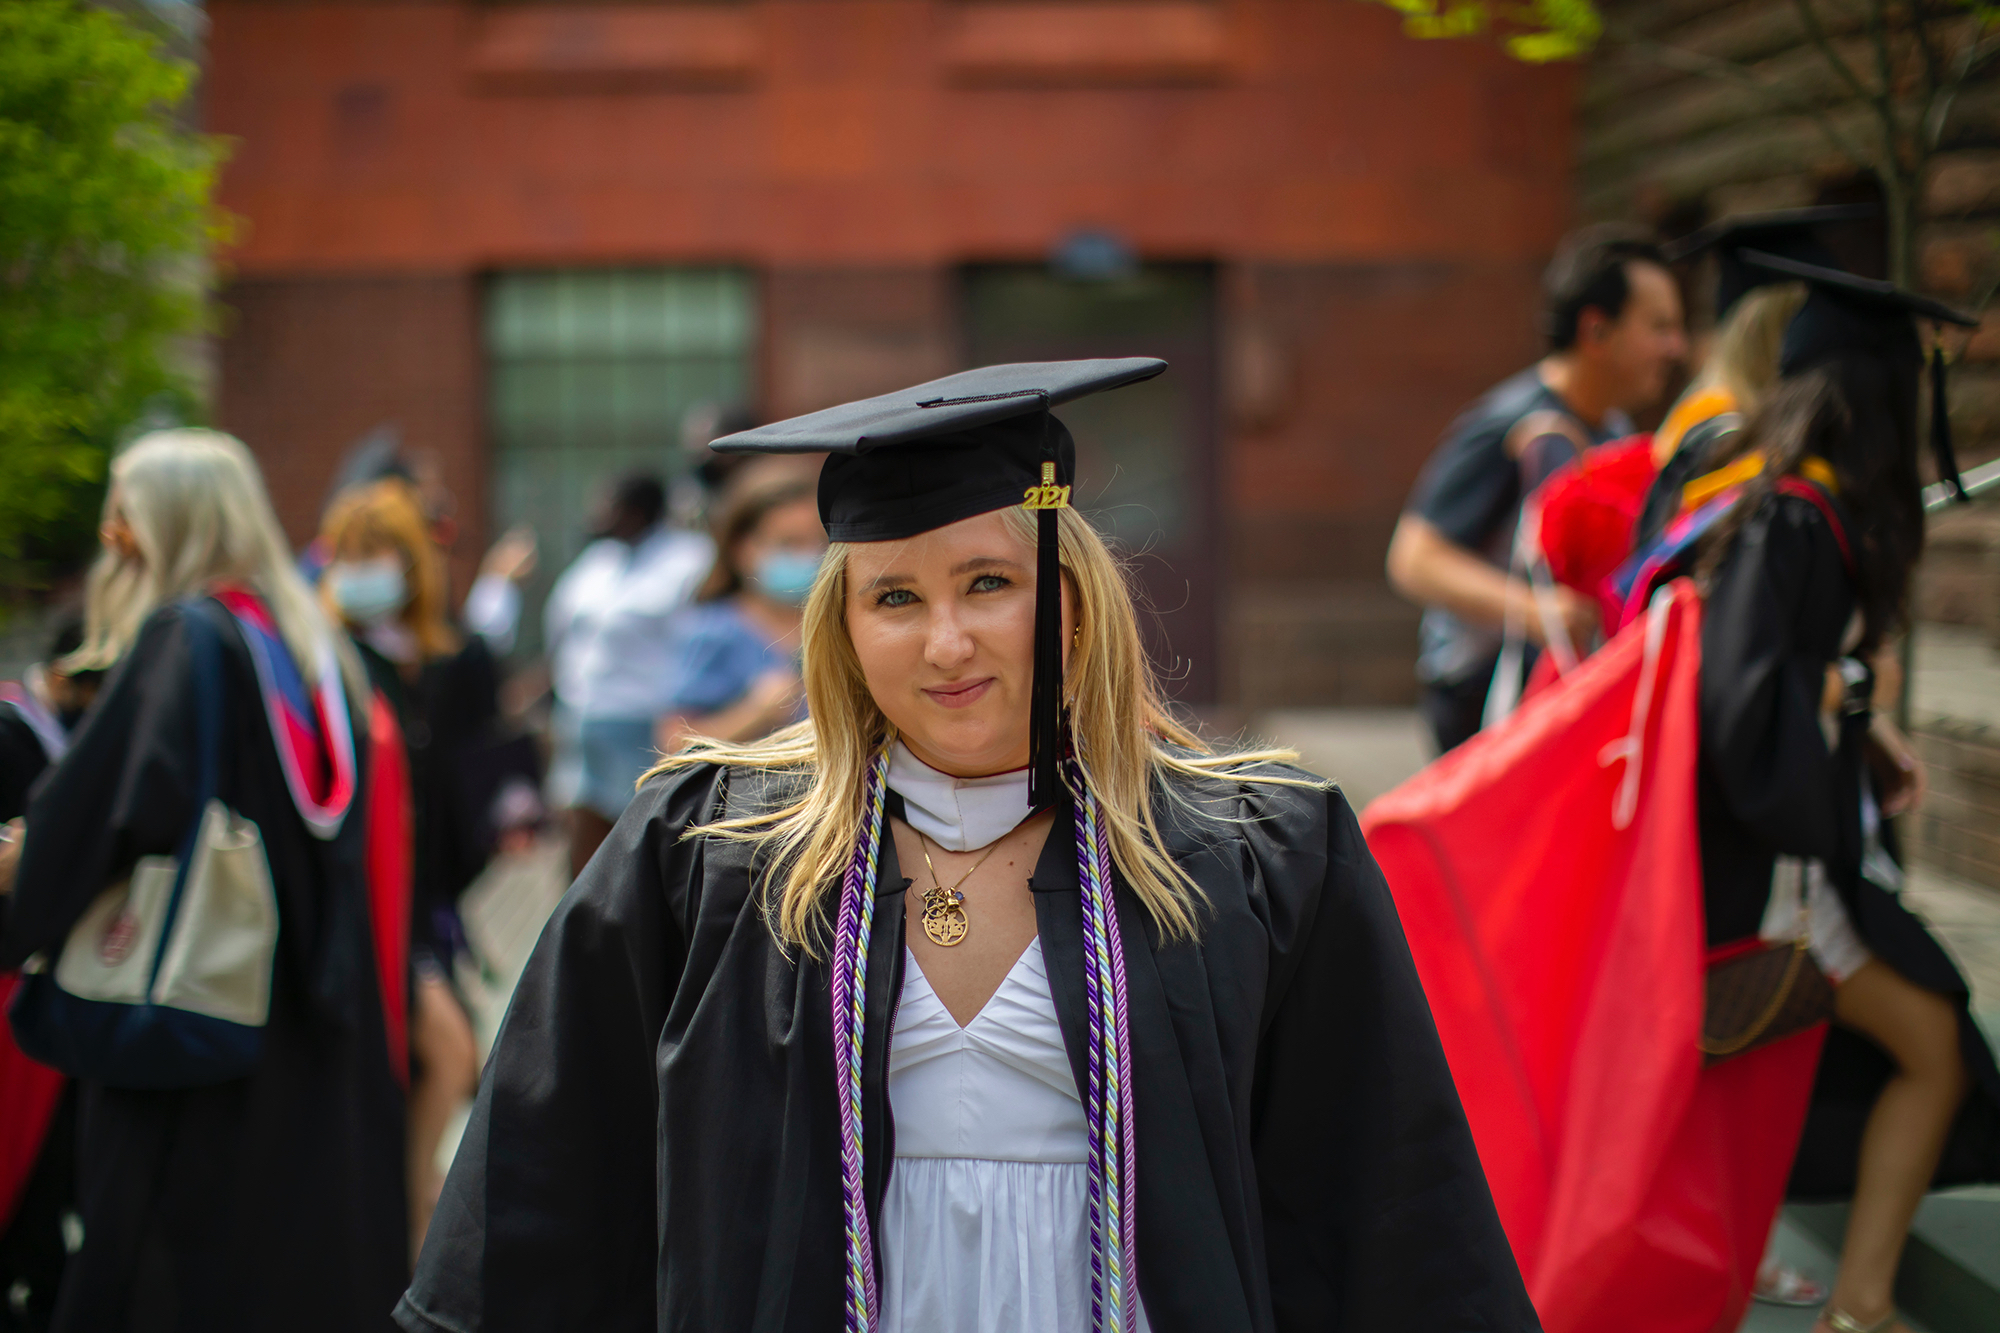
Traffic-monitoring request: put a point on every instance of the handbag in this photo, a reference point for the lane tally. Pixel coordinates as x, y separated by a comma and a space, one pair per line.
165, 981
1759, 991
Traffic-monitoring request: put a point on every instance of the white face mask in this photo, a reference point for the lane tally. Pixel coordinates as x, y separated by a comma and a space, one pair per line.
368, 590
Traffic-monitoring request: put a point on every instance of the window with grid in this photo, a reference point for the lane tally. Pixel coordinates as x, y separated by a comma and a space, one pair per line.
590, 372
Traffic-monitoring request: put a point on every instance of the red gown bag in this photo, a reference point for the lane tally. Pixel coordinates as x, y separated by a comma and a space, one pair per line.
1548, 876
387, 842
28, 1096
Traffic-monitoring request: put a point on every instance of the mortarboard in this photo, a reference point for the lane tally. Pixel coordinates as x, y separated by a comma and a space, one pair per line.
1790, 233
1844, 313
908, 462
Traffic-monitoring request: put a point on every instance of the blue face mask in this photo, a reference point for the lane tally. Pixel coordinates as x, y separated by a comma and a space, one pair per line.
369, 591
786, 576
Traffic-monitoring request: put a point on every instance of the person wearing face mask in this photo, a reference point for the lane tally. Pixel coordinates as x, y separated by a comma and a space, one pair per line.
735, 676
385, 582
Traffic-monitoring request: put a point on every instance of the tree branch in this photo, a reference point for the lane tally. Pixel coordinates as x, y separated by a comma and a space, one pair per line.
1970, 57
1714, 67
1810, 18
1885, 97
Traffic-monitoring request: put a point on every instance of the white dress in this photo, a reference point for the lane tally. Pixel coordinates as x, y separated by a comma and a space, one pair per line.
985, 1225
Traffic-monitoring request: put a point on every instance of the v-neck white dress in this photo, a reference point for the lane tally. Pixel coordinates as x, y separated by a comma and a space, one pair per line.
986, 1225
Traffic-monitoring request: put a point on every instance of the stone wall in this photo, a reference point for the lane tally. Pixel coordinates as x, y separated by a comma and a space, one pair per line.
1957, 829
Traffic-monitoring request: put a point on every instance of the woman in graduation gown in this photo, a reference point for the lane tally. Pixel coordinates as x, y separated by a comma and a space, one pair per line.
275, 1201
1799, 579
385, 583
986, 998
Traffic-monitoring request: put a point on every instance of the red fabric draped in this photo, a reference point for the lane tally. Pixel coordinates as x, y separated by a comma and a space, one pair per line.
28, 1096
1549, 879
390, 870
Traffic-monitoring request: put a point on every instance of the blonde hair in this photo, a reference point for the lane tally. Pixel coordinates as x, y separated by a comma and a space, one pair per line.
1743, 359
197, 508
387, 515
1122, 730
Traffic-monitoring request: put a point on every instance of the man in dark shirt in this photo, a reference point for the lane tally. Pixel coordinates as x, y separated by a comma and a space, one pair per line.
1612, 315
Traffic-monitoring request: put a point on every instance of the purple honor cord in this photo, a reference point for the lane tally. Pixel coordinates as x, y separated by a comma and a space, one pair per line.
850, 1021
1108, 1108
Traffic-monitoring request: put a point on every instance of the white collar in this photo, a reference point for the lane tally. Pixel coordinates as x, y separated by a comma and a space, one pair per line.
958, 814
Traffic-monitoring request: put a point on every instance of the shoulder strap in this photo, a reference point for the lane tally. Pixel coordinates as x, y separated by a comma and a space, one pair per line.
205, 661
1818, 498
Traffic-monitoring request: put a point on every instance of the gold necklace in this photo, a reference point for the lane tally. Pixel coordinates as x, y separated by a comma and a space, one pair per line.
944, 917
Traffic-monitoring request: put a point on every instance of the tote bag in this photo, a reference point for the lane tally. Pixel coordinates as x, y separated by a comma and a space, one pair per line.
1548, 877
165, 981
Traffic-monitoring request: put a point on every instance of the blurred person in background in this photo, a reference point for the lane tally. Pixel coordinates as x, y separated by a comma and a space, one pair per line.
704, 472
385, 581
1612, 316
1739, 365
735, 673
608, 634
275, 1200
37, 1105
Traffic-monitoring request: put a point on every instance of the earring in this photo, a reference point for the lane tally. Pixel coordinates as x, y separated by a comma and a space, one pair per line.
1076, 637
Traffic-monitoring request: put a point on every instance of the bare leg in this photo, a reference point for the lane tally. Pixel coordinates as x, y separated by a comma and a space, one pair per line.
446, 1076
587, 831
1905, 1133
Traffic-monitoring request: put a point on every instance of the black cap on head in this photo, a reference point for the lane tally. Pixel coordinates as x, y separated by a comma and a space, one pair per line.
908, 462
1789, 233
1846, 314
920, 458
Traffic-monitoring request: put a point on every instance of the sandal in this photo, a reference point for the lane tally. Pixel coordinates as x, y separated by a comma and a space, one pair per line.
1782, 1284
1841, 1322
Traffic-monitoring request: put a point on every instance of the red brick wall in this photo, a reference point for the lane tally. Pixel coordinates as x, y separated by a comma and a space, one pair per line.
1377, 208
374, 136
310, 364
1353, 371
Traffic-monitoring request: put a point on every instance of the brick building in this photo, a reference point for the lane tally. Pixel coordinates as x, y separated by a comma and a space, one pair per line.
534, 235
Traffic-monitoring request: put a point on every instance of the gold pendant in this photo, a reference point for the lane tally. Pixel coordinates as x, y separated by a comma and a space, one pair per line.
944, 919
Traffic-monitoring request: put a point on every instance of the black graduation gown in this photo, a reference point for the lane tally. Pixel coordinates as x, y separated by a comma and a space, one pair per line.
1776, 617
31, 1248
274, 1202
656, 1141
22, 759
446, 712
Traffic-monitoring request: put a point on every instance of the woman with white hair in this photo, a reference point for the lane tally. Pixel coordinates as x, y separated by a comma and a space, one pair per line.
274, 1199
985, 999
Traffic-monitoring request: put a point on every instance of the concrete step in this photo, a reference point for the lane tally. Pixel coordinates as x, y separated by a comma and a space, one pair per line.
1950, 1278
1802, 1249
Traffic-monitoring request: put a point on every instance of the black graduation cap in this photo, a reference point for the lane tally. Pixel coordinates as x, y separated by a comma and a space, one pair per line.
1844, 313
917, 459
1792, 233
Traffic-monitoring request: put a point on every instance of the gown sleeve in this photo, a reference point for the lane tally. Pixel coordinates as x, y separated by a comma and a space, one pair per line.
1376, 1211
1762, 747
124, 789
22, 760
549, 1218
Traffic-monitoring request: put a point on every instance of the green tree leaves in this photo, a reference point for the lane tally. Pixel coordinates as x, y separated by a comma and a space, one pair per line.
105, 219
1537, 32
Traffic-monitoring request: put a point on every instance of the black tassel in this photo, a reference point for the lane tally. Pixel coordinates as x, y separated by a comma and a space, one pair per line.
1045, 700
1941, 450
